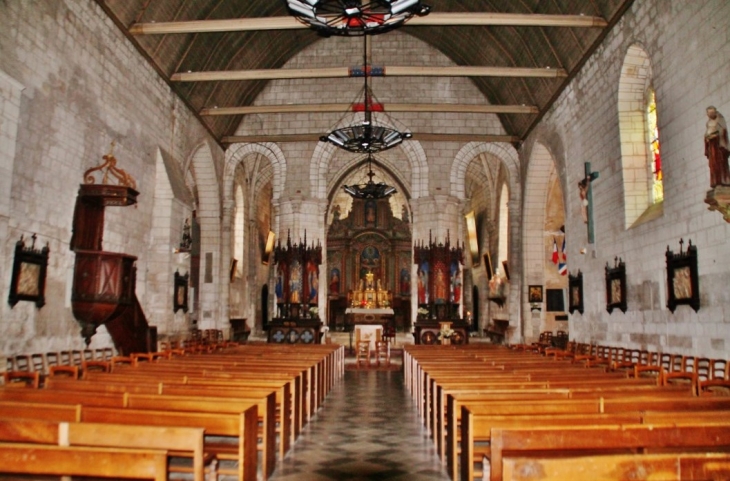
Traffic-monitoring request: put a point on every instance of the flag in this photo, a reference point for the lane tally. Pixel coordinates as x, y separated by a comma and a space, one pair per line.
555, 251
563, 265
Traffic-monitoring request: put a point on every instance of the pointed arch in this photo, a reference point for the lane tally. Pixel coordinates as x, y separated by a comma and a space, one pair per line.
635, 86
324, 152
209, 218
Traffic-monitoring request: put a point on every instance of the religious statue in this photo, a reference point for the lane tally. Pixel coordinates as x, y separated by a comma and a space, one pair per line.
404, 214
717, 148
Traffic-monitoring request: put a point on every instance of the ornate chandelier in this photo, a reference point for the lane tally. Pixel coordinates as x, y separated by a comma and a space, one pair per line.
370, 190
364, 136
355, 17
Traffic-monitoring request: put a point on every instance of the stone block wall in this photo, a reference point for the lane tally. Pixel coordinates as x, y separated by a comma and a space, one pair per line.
688, 48
71, 83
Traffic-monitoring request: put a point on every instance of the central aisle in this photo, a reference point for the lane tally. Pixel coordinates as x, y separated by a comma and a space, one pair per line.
367, 429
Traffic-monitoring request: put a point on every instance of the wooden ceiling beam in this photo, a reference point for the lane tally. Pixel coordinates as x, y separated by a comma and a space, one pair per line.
344, 72
482, 19
319, 108
425, 137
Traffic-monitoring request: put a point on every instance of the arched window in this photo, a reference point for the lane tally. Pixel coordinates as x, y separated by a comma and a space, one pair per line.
655, 158
238, 229
637, 117
503, 252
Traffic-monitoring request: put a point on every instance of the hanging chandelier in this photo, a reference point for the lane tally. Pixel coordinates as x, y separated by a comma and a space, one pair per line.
355, 17
370, 190
364, 136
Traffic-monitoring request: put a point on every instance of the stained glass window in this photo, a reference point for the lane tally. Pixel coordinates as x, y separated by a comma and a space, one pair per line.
655, 150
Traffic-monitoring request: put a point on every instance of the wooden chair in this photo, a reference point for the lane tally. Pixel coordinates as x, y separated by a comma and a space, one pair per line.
39, 363
64, 358
362, 353
22, 379
719, 369
389, 334
51, 360
88, 354
76, 358
95, 366
702, 366
122, 361
64, 371
23, 363
103, 354
713, 387
382, 351
681, 378
689, 364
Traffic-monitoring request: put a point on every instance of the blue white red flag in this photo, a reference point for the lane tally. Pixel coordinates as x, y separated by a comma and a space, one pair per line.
555, 251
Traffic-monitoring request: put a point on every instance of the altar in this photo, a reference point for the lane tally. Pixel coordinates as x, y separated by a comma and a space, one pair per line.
359, 315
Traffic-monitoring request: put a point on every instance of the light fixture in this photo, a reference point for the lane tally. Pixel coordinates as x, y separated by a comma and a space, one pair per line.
364, 136
355, 17
370, 190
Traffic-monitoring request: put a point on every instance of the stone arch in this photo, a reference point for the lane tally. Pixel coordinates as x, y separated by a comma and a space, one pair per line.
323, 153
540, 174
213, 306
634, 83
237, 152
503, 151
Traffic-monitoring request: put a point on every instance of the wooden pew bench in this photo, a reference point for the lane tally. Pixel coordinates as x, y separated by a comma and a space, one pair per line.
241, 428
177, 441
591, 439
265, 402
665, 467
35, 459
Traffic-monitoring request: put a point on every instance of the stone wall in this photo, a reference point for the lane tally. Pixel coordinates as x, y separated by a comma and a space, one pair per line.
71, 83
688, 48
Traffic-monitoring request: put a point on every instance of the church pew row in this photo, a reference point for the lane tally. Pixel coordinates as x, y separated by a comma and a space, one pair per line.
33, 459
437, 374
586, 440
177, 441
664, 467
263, 403
283, 408
239, 429
477, 418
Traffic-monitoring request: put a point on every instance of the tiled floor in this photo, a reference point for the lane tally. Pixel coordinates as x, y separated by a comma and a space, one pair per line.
367, 429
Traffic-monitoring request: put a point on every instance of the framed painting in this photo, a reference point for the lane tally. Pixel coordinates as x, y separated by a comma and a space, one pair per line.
488, 265
180, 292
575, 292
534, 294
682, 278
29, 274
616, 286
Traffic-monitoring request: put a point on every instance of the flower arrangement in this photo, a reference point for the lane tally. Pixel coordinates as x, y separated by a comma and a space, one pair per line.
446, 333
314, 311
422, 312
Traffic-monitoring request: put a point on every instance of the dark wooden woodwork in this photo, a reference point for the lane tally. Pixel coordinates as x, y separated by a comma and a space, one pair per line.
300, 331
104, 282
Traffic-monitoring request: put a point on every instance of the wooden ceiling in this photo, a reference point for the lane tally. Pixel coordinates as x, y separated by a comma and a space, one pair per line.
221, 53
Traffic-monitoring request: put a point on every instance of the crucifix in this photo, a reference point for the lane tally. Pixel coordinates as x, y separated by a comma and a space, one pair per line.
586, 198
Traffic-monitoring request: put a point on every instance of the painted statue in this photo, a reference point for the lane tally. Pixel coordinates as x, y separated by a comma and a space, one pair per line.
717, 147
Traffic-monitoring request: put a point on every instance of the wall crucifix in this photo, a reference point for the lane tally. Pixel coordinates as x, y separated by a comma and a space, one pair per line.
586, 199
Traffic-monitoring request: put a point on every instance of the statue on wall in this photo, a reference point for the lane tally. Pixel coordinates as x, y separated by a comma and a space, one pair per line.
717, 148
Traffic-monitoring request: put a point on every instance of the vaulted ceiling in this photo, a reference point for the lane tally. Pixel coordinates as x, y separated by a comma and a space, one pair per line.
519, 53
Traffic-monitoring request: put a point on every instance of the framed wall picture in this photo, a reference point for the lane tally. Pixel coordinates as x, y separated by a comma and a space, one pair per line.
534, 294
682, 277
29, 274
488, 265
616, 286
575, 292
180, 292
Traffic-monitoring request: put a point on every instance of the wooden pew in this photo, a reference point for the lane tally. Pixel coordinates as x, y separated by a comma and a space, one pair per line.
586, 440
123, 401
175, 440
664, 467
35, 459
